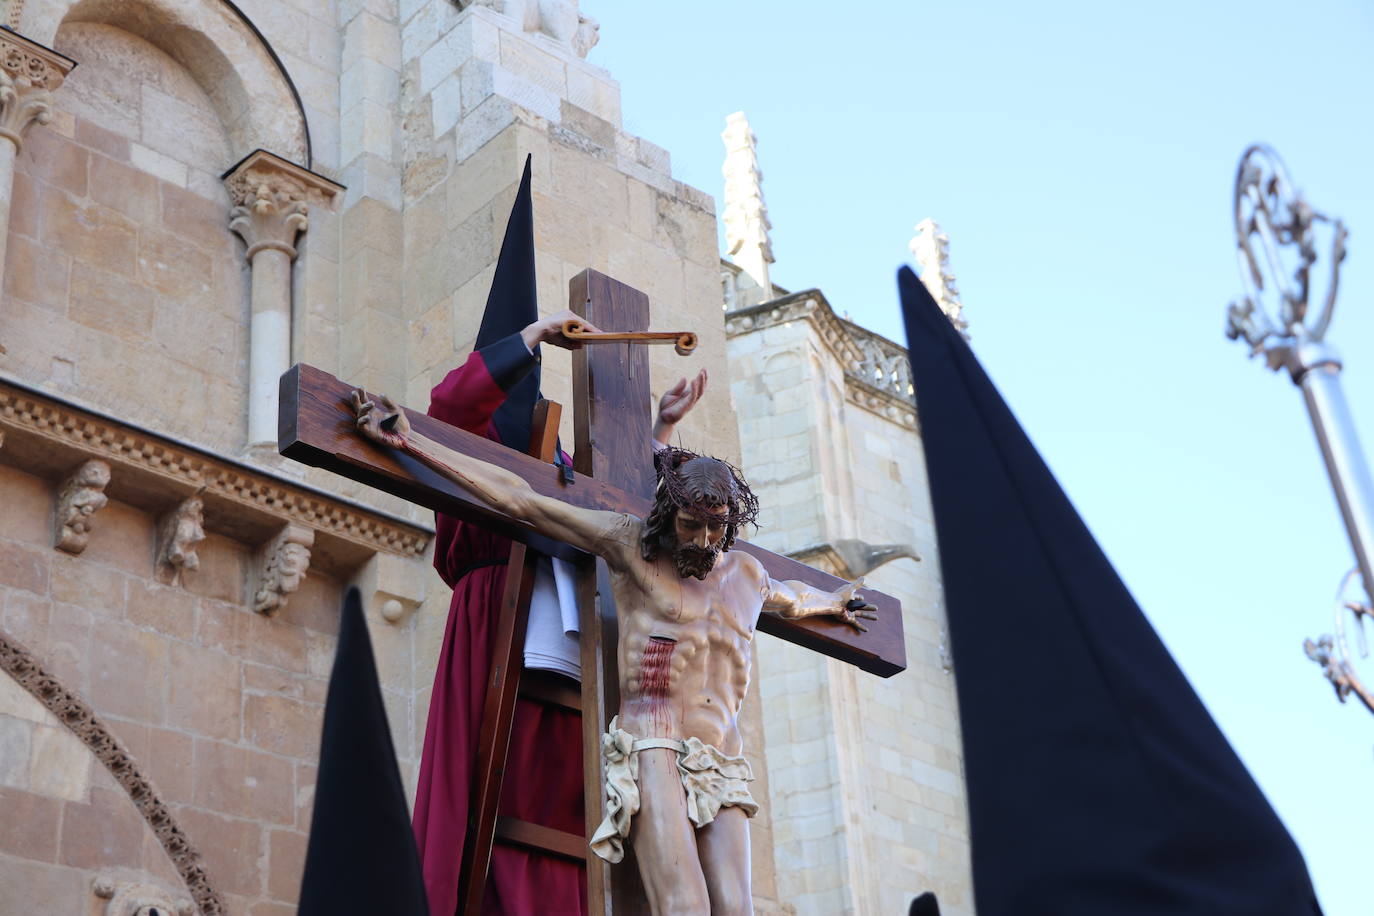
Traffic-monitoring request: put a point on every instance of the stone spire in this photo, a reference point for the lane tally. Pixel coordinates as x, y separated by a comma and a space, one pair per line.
930, 247
746, 216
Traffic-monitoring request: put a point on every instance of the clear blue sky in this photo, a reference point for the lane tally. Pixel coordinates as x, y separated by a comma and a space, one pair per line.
1081, 158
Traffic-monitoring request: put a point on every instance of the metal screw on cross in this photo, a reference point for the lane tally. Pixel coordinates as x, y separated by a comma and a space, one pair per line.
1277, 241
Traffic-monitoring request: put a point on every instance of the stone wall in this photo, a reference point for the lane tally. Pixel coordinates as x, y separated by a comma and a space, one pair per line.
866, 774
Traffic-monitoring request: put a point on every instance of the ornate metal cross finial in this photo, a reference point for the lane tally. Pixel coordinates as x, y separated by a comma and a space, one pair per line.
1277, 232
1271, 214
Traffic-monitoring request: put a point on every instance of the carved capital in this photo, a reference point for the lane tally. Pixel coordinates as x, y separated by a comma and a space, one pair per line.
179, 534
271, 200
29, 73
281, 567
81, 497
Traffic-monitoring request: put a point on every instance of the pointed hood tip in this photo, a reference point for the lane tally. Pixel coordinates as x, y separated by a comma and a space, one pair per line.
919, 308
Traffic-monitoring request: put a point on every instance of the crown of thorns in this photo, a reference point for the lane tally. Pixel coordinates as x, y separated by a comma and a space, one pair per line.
742, 505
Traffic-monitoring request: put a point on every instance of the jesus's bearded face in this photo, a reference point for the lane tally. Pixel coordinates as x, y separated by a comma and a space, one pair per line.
696, 542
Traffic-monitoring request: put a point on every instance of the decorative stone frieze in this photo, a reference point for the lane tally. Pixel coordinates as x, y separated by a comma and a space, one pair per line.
282, 564
877, 373
19, 663
179, 534
271, 200
29, 73
40, 430
81, 496
134, 898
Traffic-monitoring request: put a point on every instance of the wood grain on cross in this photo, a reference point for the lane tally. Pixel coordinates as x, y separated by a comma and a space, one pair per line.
613, 472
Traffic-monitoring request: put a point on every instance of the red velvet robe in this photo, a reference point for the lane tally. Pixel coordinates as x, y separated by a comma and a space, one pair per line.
543, 781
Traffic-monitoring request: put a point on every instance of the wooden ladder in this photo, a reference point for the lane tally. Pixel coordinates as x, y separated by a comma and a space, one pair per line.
507, 681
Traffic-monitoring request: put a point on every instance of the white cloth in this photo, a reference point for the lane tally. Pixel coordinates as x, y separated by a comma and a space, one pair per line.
551, 634
712, 780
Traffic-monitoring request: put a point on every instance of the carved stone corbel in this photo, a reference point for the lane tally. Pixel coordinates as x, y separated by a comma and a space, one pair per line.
282, 564
81, 496
179, 533
271, 200
131, 898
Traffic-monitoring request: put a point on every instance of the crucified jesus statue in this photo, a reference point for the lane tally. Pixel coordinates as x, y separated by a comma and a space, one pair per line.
687, 608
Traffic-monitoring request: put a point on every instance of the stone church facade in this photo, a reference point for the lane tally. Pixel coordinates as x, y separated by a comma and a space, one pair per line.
195, 194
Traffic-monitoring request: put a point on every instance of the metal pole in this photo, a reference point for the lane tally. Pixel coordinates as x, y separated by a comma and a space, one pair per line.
1345, 463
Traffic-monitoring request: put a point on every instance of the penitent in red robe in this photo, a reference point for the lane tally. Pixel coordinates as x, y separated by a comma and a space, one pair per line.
543, 781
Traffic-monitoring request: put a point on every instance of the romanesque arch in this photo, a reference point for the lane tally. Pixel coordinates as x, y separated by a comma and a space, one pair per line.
219, 47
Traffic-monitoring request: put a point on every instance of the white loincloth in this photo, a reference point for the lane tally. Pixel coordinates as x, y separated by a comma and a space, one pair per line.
713, 780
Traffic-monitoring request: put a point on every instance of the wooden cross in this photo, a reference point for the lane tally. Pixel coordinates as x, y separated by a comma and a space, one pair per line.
611, 421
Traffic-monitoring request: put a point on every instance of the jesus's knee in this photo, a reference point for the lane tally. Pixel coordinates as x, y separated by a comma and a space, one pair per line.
687, 900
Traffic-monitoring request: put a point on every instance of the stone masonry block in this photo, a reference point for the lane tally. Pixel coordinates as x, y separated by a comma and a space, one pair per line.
60, 764
25, 204
318, 86
522, 58
482, 124
91, 233
371, 81
528, 94
370, 223
16, 736
243, 782
99, 140
55, 160
188, 132
446, 104
600, 132
471, 38
368, 128
595, 92
406, 9
371, 177
283, 725
371, 36
203, 695
157, 164
479, 82
598, 189
130, 191
36, 274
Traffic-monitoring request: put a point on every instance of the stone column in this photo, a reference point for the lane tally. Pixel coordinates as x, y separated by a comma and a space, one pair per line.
29, 73
271, 198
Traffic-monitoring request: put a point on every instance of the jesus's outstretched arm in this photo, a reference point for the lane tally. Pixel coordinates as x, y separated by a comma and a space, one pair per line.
797, 599
608, 534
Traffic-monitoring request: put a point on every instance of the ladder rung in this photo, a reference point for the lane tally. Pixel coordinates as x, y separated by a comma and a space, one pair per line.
546, 839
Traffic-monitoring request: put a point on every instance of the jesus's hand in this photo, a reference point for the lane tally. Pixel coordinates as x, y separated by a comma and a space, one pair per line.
676, 403
852, 606
387, 425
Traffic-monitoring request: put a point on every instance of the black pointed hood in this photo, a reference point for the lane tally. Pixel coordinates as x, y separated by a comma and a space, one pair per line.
512, 304
361, 858
1097, 781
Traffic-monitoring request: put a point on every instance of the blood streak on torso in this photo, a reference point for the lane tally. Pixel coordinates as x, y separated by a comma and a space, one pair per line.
654, 673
